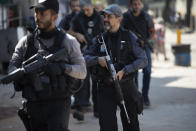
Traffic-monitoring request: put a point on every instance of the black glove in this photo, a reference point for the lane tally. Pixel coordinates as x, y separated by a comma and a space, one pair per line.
20, 83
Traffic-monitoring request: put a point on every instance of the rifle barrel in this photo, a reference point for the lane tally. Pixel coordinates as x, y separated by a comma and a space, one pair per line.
12, 76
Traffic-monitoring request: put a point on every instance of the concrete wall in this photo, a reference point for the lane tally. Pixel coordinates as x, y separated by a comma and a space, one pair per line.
181, 6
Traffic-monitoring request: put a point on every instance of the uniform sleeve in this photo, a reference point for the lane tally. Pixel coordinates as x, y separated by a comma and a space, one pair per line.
77, 66
140, 57
18, 55
91, 54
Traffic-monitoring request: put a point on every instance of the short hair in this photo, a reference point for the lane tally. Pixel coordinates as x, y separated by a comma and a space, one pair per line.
84, 3
131, 1
71, 1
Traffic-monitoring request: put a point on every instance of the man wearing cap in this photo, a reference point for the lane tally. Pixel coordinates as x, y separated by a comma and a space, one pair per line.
127, 58
48, 107
86, 25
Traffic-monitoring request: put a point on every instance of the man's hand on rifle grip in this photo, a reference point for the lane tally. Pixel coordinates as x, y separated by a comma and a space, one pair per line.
120, 74
102, 61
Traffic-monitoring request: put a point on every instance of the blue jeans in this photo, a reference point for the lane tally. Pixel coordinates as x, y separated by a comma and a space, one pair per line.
146, 75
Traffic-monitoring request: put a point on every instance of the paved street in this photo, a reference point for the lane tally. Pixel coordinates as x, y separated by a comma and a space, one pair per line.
172, 94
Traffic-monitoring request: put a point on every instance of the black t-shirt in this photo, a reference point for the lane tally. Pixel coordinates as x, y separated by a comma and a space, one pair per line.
143, 23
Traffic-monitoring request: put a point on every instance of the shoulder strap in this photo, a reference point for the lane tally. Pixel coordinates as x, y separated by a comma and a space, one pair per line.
59, 39
31, 50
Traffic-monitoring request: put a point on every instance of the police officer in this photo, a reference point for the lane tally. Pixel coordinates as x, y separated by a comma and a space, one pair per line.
65, 23
86, 25
48, 108
141, 23
127, 57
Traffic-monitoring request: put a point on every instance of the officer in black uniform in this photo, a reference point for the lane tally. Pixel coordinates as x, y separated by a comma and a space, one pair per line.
48, 102
86, 25
65, 23
127, 57
141, 23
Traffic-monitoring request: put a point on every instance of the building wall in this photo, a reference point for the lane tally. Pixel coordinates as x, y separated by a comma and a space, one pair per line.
181, 7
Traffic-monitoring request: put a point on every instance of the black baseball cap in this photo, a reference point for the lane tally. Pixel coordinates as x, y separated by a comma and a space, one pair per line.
47, 4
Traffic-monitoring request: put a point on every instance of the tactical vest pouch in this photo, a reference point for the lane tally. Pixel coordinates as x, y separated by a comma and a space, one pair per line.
18, 86
20, 83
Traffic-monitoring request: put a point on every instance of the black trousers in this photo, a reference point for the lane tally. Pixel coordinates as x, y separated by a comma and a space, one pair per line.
82, 97
50, 115
108, 107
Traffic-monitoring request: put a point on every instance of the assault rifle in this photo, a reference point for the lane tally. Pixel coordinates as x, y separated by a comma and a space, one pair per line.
112, 70
31, 65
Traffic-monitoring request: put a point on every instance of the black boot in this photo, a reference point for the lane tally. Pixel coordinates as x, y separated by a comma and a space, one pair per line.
78, 114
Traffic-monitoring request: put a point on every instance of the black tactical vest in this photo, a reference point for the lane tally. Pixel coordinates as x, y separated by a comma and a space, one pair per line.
89, 27
47, 92
125, 55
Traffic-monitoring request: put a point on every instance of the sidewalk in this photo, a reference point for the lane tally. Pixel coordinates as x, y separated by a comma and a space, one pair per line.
172, 94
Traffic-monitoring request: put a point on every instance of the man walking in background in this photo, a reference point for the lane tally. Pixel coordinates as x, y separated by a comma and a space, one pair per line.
85, 25
65, 23
141, 23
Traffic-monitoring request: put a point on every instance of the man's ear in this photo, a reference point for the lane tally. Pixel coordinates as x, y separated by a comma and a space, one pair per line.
55, 17
120, 19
